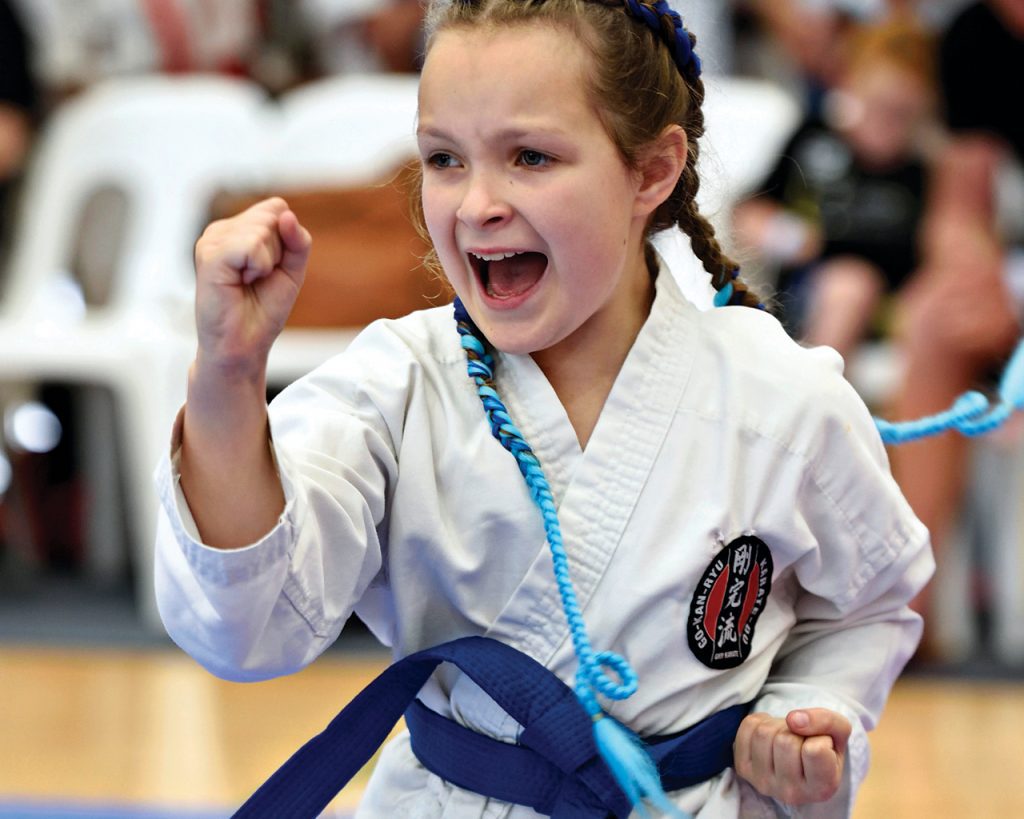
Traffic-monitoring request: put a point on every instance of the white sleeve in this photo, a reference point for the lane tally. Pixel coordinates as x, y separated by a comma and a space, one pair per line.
272, 607
854, 631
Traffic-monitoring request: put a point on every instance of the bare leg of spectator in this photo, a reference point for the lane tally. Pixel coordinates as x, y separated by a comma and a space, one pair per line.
845, 292
957, 323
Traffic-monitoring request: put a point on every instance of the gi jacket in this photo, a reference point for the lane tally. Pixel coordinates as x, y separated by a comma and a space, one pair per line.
732, 529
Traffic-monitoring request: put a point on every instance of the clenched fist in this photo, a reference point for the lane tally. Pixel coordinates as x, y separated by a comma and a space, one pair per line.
795, 760
249, 269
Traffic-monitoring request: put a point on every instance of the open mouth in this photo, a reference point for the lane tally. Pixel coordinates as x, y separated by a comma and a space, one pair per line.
507, 275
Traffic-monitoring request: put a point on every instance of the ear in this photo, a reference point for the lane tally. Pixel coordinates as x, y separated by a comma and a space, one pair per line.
660, 168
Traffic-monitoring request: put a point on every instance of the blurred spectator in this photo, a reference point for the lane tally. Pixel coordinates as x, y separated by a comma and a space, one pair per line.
799, 43
339, 36
17, 112
315, 38
839, 212
17, 119
792, 42
79, 42
960, 317
278, 43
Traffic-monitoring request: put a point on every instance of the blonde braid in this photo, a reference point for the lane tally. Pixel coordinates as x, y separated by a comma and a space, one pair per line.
681, 209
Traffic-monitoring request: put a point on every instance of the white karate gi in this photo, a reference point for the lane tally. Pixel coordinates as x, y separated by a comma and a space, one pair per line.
402, 507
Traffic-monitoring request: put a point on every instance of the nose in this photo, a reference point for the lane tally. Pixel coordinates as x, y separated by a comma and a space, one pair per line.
484, 202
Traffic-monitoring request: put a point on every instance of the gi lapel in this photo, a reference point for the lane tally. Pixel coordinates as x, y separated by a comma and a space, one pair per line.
602, 484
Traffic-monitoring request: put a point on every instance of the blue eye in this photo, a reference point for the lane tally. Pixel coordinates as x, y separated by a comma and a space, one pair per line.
442, 160
533, 159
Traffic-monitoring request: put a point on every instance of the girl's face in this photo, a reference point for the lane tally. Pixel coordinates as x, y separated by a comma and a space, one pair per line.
534, 215
887, 106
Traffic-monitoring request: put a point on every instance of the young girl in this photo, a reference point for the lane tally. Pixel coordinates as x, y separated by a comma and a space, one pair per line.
722, 495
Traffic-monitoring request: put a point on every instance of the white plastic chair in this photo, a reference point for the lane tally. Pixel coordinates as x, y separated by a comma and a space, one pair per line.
166, 143
747, 122
170, 144
345, 130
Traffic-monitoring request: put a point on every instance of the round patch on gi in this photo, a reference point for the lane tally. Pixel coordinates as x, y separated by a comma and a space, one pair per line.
729, 598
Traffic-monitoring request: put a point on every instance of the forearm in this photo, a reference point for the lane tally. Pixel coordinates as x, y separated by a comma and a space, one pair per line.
227, 469
774, 233
271, 607
249, 269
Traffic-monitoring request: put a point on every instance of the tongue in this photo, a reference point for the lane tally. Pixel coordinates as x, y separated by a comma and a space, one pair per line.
515, 275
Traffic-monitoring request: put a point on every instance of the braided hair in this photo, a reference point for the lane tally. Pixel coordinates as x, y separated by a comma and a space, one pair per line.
645, 77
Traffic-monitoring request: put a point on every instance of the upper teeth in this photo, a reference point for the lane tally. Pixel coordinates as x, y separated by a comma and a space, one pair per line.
497, 257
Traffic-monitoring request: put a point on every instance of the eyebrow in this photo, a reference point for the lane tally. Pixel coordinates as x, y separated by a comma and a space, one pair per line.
431, 132
509, 134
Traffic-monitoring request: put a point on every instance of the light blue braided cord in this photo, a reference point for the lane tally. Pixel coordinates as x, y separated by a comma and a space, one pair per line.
965, 411
971, 413
591, 673
623, 751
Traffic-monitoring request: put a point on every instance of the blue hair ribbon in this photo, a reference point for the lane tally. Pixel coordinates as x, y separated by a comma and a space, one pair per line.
651, 15
724, 296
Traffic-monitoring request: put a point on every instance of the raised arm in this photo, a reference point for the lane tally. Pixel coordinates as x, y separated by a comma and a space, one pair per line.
249, 269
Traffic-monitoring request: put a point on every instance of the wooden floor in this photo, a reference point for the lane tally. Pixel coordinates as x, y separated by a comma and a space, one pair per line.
151, 727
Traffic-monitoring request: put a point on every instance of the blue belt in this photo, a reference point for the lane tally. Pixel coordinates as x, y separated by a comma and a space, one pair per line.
545, 781
555, 768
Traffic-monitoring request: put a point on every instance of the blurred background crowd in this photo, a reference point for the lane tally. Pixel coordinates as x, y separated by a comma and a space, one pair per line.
888, 223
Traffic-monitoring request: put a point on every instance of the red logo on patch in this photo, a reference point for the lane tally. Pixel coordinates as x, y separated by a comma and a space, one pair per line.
729, 598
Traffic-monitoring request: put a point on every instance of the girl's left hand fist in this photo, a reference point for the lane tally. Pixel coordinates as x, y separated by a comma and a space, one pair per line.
795, 760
